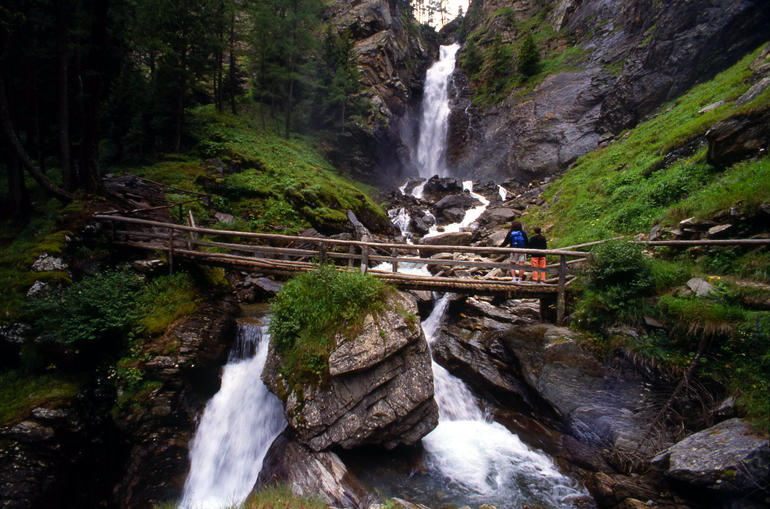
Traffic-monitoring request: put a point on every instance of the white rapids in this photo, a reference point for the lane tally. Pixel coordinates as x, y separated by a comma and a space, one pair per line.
480, 457
237, 427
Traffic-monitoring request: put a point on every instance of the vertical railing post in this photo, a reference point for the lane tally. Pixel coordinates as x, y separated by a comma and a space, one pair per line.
364, 258
179, 211
394, 255
170, 250
561, 300
322, 253
351, 252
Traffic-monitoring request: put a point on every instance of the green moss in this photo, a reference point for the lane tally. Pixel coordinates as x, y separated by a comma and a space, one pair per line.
311, 309
166, 299
20, 393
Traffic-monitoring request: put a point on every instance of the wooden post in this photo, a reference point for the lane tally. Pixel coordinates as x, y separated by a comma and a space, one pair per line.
561, 300
394, 254
170, 250
322, 253
193, 235
181, 218
351, 252
364, 258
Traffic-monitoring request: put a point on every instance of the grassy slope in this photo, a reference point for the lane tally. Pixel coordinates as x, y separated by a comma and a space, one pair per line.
625, 188
273, 184
635, 183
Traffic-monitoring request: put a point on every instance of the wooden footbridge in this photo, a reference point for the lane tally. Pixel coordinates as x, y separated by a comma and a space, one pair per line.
458, 269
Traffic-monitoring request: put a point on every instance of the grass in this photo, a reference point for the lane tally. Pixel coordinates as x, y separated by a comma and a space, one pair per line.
166, 299
310, 310
281, 497
627, 187
272, 184
20, 393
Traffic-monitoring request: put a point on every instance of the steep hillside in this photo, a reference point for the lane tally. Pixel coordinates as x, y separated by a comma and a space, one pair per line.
604, 66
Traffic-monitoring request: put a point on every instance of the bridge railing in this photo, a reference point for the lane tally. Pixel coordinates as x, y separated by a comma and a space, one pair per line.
471, 268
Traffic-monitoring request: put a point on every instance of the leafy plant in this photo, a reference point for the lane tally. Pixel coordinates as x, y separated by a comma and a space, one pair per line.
310, 309
95, 308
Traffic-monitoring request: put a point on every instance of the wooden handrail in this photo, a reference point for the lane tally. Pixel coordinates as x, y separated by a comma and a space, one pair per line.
383, 245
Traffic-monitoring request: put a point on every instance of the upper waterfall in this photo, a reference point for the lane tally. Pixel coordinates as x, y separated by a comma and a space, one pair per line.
431, 145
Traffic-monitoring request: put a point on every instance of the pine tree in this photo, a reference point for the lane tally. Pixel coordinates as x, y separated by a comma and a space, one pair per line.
529, 56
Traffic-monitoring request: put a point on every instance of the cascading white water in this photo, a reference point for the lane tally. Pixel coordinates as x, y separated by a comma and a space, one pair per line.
480, 457
431, 144
237, 427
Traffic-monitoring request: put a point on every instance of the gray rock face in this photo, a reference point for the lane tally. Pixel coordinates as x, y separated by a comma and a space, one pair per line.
380, 390
449, 239
728, 457
310, 473
737, 138
659, 50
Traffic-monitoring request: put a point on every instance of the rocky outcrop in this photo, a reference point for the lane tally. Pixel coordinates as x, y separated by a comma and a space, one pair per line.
634, 57
727, 458
58, 456
309, 473
157, 427
738, 138
392, 56
380, 386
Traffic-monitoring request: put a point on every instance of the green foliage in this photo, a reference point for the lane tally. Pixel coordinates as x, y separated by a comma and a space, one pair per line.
281, 496
98, 307
19, 393
164, 300
628, 186
310, 309
529, 56
620, 276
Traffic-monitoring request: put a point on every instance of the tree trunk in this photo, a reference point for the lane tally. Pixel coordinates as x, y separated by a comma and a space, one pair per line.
29, 164
63, 98
18, 199
232, 65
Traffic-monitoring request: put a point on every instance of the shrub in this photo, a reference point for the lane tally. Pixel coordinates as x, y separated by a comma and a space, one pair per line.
92, 309
310, 309
621, 265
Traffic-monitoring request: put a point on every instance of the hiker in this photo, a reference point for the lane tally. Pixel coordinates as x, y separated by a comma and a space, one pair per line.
516, 238
537, 241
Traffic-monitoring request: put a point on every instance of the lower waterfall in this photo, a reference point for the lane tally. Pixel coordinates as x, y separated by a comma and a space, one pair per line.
483, 461
236, 429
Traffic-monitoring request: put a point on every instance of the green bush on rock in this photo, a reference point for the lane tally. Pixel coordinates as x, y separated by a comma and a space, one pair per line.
310, 309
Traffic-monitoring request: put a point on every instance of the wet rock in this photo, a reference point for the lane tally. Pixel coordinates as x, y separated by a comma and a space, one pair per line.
460, 201
39, 289
437, 188
380, 389
499, 215
594, 403
728, 457
311, 473
449, 239
184, 366
720, 230
148, 266
46, 263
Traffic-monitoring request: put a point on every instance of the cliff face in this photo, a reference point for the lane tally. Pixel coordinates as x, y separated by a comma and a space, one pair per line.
392, 54
611, 64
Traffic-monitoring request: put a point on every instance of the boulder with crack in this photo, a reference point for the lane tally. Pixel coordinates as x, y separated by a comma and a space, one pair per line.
379, 390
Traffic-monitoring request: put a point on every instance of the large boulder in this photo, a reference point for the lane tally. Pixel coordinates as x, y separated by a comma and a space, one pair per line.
380, 386
738, 138
309, 473
729, 457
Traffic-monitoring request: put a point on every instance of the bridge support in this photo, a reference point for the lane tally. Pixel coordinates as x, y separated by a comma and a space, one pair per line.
561, 298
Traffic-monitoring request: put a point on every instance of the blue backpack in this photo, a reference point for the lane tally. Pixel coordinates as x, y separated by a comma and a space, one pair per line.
517, 239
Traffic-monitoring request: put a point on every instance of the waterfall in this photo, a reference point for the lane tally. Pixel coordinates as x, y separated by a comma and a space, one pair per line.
237, 427
480, 457
431, 145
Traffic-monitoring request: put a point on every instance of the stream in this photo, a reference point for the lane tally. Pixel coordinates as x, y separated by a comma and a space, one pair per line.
468, 459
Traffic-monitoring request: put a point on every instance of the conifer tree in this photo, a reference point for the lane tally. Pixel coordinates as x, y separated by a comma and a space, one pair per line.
529, 56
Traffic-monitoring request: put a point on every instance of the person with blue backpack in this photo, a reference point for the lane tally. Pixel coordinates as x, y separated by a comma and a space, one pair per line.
516, 238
